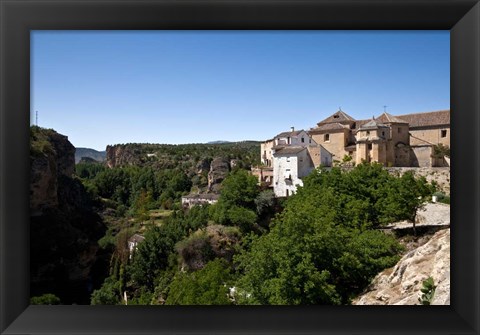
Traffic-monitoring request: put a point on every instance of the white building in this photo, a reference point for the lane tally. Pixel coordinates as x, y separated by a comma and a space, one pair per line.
199, 199
290, 164
293, 137
133, 243
293, 155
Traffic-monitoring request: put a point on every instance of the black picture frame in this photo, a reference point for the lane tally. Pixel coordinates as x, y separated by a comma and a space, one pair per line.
18, 17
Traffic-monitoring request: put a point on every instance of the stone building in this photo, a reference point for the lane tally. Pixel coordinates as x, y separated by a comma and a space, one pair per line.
287, 158
404, 140
288, 138
191, 200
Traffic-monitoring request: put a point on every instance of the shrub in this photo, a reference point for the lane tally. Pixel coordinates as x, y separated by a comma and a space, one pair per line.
108, 294
428, 291
45, 299
208, 286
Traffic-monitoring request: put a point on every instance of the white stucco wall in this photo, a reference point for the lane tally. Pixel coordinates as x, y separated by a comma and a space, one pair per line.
295, 140
297, 166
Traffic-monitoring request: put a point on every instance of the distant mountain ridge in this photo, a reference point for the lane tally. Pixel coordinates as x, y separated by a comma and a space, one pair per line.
99, 156
218, 142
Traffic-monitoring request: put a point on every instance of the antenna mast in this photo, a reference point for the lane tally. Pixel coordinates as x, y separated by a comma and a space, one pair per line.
36, 118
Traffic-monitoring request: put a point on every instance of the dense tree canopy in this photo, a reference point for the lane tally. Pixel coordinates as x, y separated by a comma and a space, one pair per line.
324, 248
236, 205
208, 286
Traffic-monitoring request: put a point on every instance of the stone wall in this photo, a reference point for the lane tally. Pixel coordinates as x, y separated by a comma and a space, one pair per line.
421, 156
440, 174
429, 136
335, 144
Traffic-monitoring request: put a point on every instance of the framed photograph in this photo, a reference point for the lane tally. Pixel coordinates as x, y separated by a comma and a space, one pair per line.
26, 25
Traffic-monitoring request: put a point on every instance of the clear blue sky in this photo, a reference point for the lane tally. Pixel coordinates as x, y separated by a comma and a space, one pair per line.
101, 88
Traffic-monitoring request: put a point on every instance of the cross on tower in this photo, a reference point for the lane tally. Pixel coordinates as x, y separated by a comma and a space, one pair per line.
385, 109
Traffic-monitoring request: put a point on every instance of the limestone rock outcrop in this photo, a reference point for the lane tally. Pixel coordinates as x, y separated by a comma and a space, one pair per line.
121, 155
47, 166
401, 284
64, 227
203, 166
214, 241
219, 169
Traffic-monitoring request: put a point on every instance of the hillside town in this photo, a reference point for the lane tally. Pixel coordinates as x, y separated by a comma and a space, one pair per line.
408, 140
195, 204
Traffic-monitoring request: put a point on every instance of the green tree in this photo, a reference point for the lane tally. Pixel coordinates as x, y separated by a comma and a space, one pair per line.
406, 195
238, 193
440, 151
152, 255
240, 189
208, 286
242, 217
45, 299
108, 294
321, 249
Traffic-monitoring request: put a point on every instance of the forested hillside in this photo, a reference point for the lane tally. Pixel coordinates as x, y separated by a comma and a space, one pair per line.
184, 156
321, 245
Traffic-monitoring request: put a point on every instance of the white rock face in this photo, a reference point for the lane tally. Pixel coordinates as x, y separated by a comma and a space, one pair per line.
401, 284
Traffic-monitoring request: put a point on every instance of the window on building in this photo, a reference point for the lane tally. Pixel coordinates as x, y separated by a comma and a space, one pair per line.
399, 130
369, 146
326, 137
368, 132
383, 133
303, 140
443, 133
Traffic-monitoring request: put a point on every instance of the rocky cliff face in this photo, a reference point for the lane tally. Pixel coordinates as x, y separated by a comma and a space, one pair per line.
401, 284
219, 169
121, 155
47, 165
64, 228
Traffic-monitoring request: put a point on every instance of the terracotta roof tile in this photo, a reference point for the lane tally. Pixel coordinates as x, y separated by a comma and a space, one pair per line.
290, 150
330, 127
372, 124
339, 116
385, 117
289, 133
437, 118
